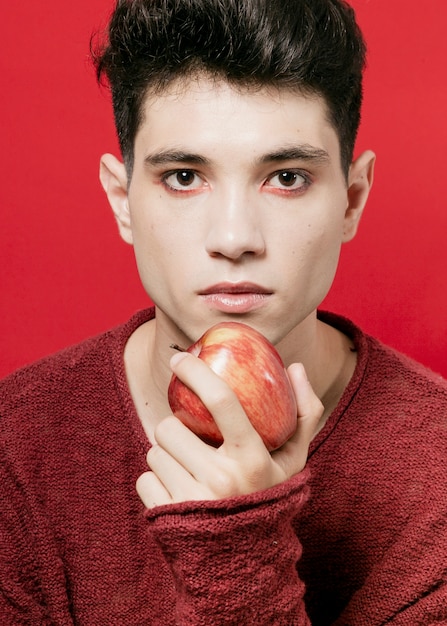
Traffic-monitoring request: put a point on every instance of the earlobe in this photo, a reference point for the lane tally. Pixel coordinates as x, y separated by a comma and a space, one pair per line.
361, 175
113, 177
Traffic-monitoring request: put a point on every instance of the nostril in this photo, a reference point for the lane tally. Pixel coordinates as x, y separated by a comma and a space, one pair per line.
236, 243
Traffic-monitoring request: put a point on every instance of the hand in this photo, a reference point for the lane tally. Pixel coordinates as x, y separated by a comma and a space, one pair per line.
183, 467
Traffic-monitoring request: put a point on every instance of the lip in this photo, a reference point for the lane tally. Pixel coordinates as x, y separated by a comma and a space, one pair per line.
235, 288
236, 298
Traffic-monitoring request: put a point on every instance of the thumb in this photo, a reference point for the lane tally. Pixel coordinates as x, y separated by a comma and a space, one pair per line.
293, 455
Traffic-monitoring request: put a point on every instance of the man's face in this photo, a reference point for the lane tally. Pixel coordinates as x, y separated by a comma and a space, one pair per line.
237, 207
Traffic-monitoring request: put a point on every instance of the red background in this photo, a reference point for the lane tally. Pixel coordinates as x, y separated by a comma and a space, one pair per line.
64, 272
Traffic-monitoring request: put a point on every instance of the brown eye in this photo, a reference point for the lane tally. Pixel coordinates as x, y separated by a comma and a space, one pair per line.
185, 178
287, 179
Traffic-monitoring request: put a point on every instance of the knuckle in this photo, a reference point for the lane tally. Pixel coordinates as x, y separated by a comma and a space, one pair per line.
164, 428
318, 407
235, 478
224, 484
258, 470
222, 401
153, 455
313, 409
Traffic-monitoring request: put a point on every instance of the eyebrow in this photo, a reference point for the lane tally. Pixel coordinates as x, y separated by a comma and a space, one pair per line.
175, 156
302, 152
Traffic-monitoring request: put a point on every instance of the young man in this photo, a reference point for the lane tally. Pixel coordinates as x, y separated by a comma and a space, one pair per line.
237, 122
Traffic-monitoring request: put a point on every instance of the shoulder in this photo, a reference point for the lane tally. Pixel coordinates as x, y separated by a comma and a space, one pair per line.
393, 364
390, 428
66, 377
397, 379
386, 368
390, 394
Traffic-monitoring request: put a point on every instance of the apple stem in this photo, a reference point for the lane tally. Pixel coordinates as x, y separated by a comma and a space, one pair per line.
177, 347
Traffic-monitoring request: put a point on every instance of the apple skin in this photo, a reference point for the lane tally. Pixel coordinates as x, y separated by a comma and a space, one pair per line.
252, 367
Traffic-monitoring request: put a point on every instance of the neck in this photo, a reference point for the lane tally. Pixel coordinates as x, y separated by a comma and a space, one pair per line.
326, 354
146, 359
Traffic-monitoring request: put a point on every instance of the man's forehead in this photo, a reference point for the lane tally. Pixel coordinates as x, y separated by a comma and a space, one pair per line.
205, 85
185, 115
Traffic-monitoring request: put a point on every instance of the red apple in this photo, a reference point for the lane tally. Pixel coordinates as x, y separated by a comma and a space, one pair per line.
252, 367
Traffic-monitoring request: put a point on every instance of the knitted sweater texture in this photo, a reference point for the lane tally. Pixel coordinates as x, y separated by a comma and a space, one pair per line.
358, 538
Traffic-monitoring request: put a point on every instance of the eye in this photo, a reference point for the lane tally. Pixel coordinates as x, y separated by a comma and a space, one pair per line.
183, 180
288, 180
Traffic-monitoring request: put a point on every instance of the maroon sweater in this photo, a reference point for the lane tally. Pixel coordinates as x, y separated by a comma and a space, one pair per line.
359, 537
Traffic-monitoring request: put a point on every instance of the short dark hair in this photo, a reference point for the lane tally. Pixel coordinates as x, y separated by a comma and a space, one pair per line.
313, 46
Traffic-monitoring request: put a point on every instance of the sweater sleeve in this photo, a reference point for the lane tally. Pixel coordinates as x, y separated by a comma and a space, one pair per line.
234, 561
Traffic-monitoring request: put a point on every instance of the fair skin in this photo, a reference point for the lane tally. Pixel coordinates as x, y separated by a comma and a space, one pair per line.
237, 209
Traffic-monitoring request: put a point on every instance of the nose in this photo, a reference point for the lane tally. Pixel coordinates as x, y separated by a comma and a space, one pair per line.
234, 228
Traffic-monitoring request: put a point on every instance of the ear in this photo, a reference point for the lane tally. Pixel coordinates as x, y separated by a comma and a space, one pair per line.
113, 177
360, 179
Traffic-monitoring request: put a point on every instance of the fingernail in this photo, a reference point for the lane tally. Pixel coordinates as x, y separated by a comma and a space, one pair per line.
177, 357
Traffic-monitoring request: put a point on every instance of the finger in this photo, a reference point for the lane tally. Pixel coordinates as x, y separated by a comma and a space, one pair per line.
293, 455
175, 478
151, 491
215, 475
309, 406
219, 399
185, 447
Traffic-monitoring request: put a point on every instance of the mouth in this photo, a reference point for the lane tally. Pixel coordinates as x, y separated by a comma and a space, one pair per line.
236, 298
